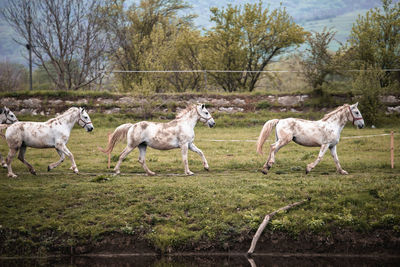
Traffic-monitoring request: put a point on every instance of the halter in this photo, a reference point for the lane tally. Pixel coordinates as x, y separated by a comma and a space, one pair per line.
201, 117
84, 123
354, 118
11, 121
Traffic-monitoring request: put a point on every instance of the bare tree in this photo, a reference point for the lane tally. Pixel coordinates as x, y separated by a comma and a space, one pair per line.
66, 36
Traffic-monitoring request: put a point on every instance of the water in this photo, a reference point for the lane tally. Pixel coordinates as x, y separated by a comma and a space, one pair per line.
207, 260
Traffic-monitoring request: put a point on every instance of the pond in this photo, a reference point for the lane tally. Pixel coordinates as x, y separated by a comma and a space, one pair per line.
208, 260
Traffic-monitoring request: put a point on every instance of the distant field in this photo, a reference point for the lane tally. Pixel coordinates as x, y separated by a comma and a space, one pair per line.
216, 208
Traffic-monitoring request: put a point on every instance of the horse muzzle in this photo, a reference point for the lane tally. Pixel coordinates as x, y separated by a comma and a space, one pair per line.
211, 123
89, 128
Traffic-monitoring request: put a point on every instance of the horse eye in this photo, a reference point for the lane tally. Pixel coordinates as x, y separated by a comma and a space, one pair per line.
206, 113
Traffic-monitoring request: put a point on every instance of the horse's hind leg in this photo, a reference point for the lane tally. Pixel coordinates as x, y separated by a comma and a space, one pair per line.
322, 152
10, 156
282, 141
55, 164
336, 159
21, 157
142, 159
122, 156
194, 148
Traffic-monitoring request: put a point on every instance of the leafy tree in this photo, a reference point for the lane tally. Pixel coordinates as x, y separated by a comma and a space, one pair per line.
247, 38
375, 39
318, 62
142, 36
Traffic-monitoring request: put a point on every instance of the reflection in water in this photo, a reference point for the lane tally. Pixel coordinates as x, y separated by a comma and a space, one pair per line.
207, 260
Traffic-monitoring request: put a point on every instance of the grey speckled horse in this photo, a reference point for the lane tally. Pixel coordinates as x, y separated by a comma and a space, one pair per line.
324, 133
178, 133
53, 133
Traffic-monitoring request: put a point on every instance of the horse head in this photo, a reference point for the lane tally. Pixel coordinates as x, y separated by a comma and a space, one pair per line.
8, 116
84, 120
356, 116
204, 115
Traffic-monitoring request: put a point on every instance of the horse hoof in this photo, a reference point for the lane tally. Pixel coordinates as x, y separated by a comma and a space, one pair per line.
343, 172
189, 173
307, 171
48, 168
33, 172
151, 173
264, 171
4, 165
12, 175
207, 169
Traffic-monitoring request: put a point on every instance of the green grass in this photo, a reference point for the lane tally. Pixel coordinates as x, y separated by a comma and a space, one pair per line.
174, 212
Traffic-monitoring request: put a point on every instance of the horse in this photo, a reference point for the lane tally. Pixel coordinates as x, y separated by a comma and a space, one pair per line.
7, 117
178, 133
324, 133
53, 133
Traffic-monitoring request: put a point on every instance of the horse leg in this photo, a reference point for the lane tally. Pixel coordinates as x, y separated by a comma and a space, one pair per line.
55, 164
66, 151
184, 149
142, 159
284, 140
10, 156
21, 157
2, 161
194, 148
122, 156
336, 159
322, 152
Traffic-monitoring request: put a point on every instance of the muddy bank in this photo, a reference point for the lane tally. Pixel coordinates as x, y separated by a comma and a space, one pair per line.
378, 242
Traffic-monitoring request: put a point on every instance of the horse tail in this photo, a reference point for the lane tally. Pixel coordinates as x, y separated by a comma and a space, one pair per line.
265, 132
119, 134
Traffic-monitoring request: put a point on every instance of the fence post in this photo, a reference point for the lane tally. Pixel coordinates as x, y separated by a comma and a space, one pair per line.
205, 80
392, 149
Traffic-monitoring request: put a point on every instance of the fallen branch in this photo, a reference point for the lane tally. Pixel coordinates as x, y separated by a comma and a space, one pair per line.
266, 220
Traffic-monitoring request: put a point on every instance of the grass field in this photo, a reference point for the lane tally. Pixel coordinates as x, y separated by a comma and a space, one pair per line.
173, 212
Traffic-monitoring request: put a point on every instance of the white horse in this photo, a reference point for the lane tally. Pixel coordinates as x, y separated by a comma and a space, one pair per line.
7, 117
324, 133
178, 133
53, 133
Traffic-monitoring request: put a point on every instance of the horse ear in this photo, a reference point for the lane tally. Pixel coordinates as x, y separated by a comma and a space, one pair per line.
203, 106
356, 104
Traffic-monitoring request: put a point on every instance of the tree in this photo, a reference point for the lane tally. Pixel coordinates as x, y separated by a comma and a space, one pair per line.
318, 62
12, 76
248, 38
375, 39
66, 36
140, 36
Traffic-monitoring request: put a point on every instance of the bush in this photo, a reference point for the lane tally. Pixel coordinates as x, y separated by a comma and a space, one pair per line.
367, 82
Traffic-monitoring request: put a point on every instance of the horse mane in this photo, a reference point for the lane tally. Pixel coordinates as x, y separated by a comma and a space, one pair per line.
337, 110
70, 110
183, 112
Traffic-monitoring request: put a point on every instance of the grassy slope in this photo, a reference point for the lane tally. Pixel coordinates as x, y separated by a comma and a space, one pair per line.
217, 207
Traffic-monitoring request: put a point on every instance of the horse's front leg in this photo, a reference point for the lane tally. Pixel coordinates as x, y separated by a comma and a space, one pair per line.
10, 156
2, 162
184, 149
321, 154
55, 164
336, 159
65, 150
194, 148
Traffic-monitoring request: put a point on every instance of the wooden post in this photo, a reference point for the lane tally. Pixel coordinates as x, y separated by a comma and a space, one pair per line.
392, 149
